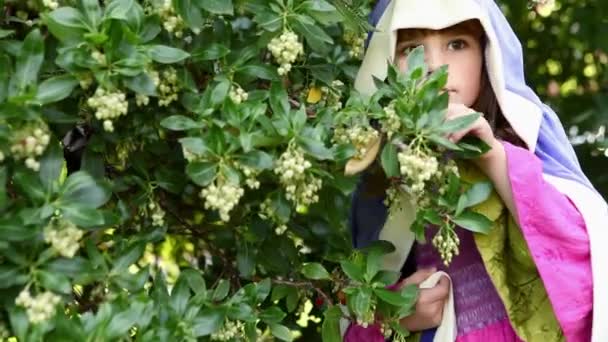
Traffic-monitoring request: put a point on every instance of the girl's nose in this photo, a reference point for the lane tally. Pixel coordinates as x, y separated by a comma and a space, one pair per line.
433, 57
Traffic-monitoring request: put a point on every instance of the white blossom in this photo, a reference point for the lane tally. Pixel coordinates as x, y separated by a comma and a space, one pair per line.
63, 236
238, 95
108, 106
300, 187
39, 308
231, 330
223, 197
285, 49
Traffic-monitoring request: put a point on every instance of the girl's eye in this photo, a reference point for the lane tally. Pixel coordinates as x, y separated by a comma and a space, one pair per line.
457, 44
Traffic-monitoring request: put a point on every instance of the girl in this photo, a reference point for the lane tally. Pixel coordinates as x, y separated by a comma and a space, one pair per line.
540, 274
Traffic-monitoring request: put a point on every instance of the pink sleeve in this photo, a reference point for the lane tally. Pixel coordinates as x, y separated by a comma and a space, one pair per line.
558, 241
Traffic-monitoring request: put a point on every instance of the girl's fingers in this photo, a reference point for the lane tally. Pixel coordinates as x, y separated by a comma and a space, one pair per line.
438, 293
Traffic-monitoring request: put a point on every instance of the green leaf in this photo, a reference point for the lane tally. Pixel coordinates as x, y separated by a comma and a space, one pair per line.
415, 59
29, 62
217, 6
82, 216
459, 123
293, 297
141, 84
360, 301
260, 71
92, 11
272, 315
220, 92
180, 123
14, 230
51, 164
166, 54
83, 189
478, 193
128, 256
389, 160
195, 145
245, 260
315, 270
121, 322
29, 183
442, 141
281, 332
194, 279
262, 290
6, 33
312, 33
279, 102
207, 322
190, 13
3, 179
119, 9
201, 173
315, 148
330, 330
55, 89
474, 222
54, 281
210, 52
180, 295
67, 24
352, 270
392, 297
221, 291
386, 278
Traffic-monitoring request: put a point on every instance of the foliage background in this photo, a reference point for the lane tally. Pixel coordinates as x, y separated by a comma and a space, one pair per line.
127, 256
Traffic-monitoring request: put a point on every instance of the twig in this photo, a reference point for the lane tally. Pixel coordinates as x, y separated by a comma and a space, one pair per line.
305, 284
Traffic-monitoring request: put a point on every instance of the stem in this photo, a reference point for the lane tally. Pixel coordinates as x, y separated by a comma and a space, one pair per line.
305, 284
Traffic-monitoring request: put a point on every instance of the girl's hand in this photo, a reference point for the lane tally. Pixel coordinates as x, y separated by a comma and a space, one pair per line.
429, 307
480, 128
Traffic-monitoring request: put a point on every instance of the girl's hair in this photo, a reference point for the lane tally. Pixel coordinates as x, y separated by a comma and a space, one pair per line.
375, 182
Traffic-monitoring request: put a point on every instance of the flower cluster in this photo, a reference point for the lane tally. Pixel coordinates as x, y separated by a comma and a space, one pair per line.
417, 167
223, 197
360, 137
267, 212
108, 106
332, 95
391, 123
167, 86
63, 236
285, 49
85, 80
368, 316
251, 176
50, 4
39, 308
99, 57
238, 95
446, 242
356, 43
300, 186
172, 22
158, 214
141, 100
231, 330
28, 144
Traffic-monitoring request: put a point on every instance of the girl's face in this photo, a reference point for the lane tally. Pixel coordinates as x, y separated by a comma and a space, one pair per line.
459, 49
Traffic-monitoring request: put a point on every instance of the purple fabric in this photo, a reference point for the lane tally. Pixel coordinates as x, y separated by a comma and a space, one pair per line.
476, 301
558, 242
357, 333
